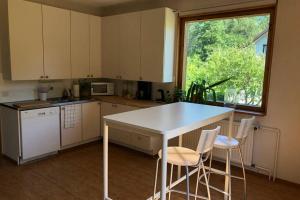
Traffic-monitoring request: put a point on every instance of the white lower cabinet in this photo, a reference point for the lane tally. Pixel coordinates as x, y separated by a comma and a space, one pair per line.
71, 125
135, 139
80, 123
90, 120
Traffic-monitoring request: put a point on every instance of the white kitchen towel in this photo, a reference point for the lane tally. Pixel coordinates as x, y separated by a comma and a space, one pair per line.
70, 116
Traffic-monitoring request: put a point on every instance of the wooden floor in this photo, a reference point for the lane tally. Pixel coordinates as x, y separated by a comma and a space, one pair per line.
77, 174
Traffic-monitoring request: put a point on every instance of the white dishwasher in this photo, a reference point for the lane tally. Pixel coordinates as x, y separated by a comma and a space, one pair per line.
40, 132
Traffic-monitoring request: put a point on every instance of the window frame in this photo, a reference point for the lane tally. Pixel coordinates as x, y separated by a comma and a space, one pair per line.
229, 14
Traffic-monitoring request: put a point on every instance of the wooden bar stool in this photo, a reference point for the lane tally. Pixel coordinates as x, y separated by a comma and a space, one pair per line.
227, 144
181, 156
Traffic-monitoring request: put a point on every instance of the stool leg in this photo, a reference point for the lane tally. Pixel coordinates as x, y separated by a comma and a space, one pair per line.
197, 184
171, 176
210, 161
206, 181
244, 173
187, 183
228, 177
155, 181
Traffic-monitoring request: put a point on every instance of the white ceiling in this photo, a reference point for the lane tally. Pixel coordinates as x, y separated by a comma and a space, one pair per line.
88, 3
90, 6
101, 3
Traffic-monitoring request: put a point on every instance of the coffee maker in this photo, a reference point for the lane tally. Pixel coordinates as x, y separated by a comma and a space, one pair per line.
144, 90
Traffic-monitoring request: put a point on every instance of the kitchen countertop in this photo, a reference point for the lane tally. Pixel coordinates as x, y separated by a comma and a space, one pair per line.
62, 102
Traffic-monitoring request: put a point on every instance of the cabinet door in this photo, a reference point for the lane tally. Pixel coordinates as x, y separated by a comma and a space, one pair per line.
157, 45
26, 40
130, 38
90, 120
95, 46
56, 33
71, 125
80, 45
110, 46
109, 109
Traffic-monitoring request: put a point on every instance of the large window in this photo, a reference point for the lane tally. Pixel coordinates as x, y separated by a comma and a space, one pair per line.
225, 58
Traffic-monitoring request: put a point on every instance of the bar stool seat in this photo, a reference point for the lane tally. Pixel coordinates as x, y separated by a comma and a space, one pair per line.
223, 142
181, 156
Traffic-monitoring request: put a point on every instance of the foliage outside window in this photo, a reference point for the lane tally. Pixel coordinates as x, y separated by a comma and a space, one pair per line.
231, 50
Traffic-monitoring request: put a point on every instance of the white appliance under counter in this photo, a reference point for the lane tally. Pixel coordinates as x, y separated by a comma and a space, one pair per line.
30, 134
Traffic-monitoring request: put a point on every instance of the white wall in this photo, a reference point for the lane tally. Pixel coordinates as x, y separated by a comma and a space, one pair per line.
284, 95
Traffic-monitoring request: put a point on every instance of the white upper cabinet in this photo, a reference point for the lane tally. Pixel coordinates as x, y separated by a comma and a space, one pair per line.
24, 38
130, 38
157, 45
95, 46
80, 45
56, 33
139, 46
110, 47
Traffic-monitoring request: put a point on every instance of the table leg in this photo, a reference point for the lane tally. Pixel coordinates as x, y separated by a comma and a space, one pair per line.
105, 161
228, 158
164, 168
179, 167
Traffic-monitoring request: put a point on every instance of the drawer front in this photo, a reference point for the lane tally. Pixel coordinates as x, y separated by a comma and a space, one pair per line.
141, 141
119, 136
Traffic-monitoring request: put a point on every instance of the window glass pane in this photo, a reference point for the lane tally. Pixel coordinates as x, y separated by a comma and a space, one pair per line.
230, 48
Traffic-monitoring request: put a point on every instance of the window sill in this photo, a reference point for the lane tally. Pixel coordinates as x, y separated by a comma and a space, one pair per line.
247, 112
239, 110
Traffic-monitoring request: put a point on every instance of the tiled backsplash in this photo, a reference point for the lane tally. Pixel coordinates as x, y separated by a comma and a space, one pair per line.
131, 86
27, 90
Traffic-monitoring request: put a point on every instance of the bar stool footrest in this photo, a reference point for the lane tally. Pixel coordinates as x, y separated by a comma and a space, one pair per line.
191, 194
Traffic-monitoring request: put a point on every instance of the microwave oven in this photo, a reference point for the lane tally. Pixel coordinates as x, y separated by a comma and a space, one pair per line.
102, 88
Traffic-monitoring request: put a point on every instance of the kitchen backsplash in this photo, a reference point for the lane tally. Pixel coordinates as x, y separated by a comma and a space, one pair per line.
27, 90
131, 87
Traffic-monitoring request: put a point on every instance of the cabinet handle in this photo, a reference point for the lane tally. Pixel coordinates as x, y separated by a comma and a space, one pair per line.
92, 75
120, 77
47, 76
88, 76
42, 77
141, 78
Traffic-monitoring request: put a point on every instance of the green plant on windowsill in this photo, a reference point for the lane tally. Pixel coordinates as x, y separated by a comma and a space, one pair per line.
199, 92
178, 95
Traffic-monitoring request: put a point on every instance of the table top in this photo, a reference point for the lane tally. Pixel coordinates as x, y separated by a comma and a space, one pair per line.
171, 119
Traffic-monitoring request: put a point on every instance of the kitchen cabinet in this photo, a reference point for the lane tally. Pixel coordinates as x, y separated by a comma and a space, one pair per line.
157, 45
80, 123
138, 140
80, 45
44, 42
71, 124
139, 45
130, 36
110, 47
90, 120
95, 46
22, 38
56, 34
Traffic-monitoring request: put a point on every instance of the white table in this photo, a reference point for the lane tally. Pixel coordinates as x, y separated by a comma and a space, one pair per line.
169, 121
